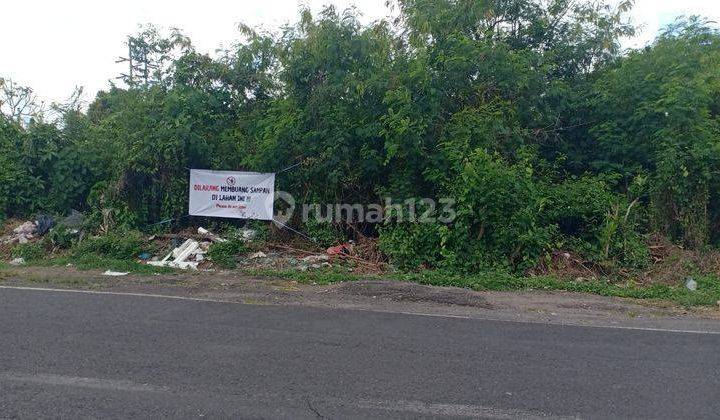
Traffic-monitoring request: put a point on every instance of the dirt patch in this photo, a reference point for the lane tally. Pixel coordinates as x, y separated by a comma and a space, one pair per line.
411, 292
672, 264
567, 265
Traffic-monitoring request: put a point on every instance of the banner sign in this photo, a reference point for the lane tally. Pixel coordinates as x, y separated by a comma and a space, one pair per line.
238, 195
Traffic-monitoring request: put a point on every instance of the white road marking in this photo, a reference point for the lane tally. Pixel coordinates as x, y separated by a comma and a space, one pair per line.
74, 381
482, 318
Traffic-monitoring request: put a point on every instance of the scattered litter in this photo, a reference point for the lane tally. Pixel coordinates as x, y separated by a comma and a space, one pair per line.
691, 284
74, 220
316, 258
248, 235
187, 255
43, 224
313, 266
344, 249
18, 261
27, 228
210, 235
145, 256
115, 273
257, 255
21, 234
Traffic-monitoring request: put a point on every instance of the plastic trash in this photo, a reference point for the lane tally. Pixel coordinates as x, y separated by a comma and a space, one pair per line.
74, 220
26, 228
248, 235
144, 256
691, 284
344, 249
316, 258
18, 261
213, 237
185, 256
43, 224
114, 273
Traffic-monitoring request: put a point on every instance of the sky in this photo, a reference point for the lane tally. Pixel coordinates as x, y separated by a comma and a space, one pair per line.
54, 45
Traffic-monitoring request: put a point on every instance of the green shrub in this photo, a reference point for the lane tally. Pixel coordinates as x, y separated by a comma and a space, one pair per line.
118, 245
224, 254
261, 228
32, 251
411, 246
498, 223
324, 234
61, 237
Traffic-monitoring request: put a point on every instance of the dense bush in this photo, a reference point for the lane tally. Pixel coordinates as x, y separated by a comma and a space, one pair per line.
30, 252
224, 254
531, 118
115, 245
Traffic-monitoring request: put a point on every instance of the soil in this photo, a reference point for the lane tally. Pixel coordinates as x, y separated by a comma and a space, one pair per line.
386, 296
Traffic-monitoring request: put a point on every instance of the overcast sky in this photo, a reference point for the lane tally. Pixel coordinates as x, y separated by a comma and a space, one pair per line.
54, 45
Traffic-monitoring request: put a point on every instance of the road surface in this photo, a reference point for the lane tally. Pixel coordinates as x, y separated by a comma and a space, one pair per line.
71, 355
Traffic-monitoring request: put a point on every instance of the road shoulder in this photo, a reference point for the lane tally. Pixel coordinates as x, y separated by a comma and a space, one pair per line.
384, 296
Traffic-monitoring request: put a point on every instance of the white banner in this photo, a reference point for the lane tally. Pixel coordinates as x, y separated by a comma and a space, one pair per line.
238, 195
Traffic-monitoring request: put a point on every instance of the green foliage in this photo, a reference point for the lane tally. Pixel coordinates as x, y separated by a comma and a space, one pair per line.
527, 114
61, 237
323, 234
31, 251
225, 254
119, 245
411, 246
659, 108
95, 262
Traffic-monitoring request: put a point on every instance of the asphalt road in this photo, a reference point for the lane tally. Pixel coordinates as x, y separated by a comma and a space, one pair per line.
74, 355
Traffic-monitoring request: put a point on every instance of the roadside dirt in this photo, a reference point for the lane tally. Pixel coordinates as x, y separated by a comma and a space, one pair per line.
386, 296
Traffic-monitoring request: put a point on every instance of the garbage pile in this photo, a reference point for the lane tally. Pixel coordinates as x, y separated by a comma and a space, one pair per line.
34, 229
191, 252
288, 260
187, 255
29, 230
351, 256
188, 249
22, 234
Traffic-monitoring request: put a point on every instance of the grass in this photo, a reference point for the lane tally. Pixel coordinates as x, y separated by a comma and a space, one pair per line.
708, 293
96, 262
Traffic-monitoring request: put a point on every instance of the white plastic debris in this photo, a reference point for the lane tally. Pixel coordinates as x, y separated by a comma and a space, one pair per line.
316, 258
21, 234
691, 284
114, 273
18, 261
187, 255
257, 255
210, 235
248, 235
27, 227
